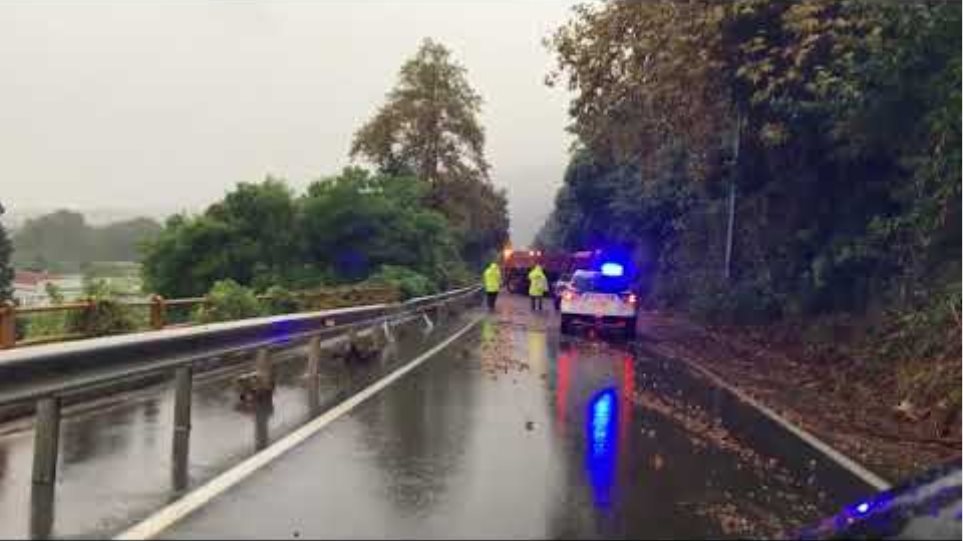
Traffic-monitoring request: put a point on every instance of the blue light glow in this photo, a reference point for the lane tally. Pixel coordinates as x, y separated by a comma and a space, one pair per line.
862, 508
281, 330
601, 436
612, 269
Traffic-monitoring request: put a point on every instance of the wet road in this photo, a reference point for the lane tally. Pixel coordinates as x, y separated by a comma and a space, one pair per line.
115, 463
511, 431
514, 431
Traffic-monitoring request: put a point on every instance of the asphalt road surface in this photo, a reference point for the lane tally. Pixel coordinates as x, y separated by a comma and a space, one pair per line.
510, 431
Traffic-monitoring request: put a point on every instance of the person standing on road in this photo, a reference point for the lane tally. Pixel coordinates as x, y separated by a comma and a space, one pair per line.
492, 280
537, 286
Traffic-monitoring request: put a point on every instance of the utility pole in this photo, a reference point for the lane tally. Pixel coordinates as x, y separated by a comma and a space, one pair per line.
732, 194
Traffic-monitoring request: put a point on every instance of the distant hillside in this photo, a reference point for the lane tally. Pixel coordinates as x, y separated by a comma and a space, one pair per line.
63, 240
16, 216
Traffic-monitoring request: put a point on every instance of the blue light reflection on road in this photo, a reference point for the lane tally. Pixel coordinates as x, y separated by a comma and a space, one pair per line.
601, 437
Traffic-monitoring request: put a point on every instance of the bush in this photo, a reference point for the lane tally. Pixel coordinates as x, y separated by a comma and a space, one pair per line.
106, 315
739, 302
410, 283
280, 301
227, 300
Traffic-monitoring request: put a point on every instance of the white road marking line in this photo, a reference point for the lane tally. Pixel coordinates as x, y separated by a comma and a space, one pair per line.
847, 463
176, 511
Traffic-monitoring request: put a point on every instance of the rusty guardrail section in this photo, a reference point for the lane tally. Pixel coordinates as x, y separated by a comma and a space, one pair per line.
158, 310
43, 375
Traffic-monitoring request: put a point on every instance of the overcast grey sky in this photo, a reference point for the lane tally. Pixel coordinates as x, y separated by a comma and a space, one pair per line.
162, 106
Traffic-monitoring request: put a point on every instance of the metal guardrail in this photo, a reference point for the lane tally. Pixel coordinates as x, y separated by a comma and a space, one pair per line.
158, 310
45, 374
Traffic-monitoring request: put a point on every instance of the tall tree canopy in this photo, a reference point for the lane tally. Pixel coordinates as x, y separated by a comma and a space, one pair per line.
429, 128
429, 125
846, 117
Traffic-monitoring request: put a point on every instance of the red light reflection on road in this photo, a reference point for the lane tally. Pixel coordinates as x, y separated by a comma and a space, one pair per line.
563, 375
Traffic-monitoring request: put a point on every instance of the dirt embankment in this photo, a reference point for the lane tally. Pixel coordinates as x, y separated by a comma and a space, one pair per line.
855, 405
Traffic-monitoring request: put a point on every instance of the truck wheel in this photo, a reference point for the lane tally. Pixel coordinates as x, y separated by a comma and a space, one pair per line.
566, 325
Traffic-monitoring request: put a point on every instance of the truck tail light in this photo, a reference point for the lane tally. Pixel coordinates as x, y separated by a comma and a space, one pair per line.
630, 298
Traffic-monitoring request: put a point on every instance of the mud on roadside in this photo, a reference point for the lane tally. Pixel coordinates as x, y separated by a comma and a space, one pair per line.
851, 413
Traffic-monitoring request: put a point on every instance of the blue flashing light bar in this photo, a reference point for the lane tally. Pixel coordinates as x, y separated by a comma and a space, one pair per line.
612, 269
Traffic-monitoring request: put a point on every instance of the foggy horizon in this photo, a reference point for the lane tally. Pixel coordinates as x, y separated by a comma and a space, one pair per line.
150, 109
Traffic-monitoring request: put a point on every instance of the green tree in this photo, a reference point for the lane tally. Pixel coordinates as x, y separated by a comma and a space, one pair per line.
249, 237
429, 128
343, 229
646, 75
429, 125
189, 255
227, 300
6, 269
356, 222
60, 236
848, 174
120, 241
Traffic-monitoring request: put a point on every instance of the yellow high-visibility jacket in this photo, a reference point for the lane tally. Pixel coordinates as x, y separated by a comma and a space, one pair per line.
492, 279
537, 282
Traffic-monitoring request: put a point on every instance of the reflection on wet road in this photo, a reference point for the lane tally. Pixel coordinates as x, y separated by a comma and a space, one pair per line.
516, 432
511, 431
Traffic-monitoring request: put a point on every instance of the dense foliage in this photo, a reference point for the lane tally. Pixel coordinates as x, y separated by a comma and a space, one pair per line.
63, 241
837, 122
409, 283
227, 301
429, 128
345, 228
105, 315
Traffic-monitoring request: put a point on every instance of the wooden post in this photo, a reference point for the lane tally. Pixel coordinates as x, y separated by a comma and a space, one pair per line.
46, 440
8, 325
180, 449
157, 312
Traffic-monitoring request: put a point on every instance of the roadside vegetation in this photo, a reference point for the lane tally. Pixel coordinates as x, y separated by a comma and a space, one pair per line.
833, 126
423, 218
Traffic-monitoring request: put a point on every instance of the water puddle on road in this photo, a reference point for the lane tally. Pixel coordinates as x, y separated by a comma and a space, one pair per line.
654, 449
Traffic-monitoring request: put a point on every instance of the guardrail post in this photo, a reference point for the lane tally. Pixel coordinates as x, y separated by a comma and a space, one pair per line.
180, 449
313, 370
264, 369
8, 324
262, 411
313, 375
157, 312
46, 440
41, 511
